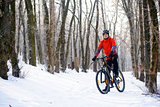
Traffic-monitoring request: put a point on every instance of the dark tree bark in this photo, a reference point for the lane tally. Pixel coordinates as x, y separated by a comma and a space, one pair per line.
13, 55
7, 39
74, 40
62, 35
159, 40
147, 40
96, 37
142, 41
159, 5
136, 41
154, 48
4, 37
80, 33
31, 33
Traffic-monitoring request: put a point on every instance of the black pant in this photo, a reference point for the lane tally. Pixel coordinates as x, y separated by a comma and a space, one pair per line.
113, 61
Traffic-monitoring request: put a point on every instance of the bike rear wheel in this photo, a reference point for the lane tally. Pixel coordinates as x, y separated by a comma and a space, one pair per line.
120, 82
102, 82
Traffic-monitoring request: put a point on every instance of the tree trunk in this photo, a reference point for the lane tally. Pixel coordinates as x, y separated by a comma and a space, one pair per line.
39, 44
154, 48
46, 32
74, 40
142, 42
136, 41
96, 38
159, 5
51, 37
7, 39
114, 30
80, 33
19, 28
61, 39
130, 15
31, 34
76, 64
147, 41
69, 36
13, 55
4, 37
102, 10
159, 40
21, 16
38, 39
87, 38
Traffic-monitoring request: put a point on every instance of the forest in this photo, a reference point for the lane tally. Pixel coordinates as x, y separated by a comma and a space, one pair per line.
62, 34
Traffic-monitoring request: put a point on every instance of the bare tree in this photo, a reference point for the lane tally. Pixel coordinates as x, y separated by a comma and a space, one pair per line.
96, 37
69, 35
102, 10
13, 55
31, 34
74, 39
80, 33
116, 17
4, 36
142, 41
7, 39
154, 47
61, 40
46, 36
22, 21
51, 38
87, 38
38, 38
128, 8
147, 40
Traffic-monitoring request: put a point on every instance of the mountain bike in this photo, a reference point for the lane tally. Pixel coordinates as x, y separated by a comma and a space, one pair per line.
105, 78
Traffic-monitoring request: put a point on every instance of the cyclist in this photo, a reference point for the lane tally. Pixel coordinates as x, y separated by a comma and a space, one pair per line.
109, 47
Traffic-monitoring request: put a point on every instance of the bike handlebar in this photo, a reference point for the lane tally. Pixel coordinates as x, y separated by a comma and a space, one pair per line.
102, 58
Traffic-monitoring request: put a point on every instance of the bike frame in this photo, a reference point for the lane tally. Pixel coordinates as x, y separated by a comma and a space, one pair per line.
106, 71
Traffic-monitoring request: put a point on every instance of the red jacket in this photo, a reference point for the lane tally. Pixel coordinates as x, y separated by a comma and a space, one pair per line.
108, 46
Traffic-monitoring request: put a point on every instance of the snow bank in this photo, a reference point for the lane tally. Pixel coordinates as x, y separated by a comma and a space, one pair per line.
70, 89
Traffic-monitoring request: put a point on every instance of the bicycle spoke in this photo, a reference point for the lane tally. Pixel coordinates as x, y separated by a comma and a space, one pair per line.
102, 82
120, 83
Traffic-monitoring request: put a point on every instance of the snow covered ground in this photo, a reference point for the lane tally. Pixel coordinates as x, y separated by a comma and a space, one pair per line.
71, 89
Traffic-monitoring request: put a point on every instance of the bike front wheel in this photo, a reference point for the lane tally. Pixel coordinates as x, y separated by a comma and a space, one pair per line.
120, 82
102, 82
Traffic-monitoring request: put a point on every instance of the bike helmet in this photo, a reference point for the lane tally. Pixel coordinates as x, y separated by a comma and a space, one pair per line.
106, 31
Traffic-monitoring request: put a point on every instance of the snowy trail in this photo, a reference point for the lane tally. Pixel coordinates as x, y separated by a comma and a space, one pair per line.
70, 89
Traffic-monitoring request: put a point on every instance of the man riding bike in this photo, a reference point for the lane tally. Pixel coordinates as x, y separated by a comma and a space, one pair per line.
109, 47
